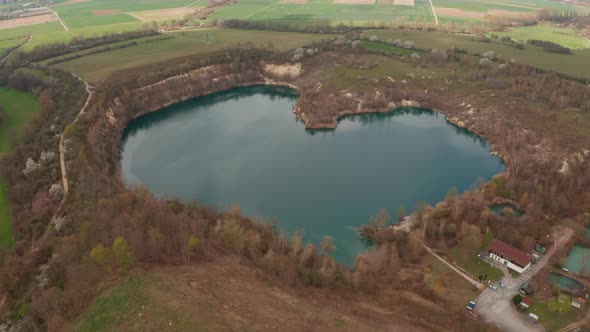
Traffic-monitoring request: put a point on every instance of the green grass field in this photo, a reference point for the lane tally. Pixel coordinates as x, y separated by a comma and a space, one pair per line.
475, 266
98, 67
143, 301
478, 267
124, 6
456, 290
351, 14
18, 109
34, 30
85, 19
506, 5
554, 321
9, 43
576, 65
562, 36
52, 32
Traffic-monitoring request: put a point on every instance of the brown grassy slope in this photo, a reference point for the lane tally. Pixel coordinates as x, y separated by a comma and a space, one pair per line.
229, 294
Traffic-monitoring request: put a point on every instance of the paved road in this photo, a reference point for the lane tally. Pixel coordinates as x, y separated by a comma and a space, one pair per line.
495, 306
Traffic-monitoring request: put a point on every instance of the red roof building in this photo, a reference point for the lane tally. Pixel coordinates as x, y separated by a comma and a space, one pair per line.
506, 254
526, 302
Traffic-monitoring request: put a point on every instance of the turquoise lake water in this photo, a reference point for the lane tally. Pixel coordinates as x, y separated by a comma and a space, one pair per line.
245, 147
566, 284
578, 260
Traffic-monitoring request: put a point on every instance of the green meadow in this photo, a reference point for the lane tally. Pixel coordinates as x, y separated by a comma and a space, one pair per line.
575, 65
562, 36
325, 10
100, 66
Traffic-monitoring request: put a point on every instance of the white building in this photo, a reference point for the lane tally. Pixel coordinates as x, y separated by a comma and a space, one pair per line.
506, 254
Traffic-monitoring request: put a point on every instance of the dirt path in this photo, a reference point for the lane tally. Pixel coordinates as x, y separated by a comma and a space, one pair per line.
433, 12
59, 19
29, 38
478, 284
62, 149
578, 324
62, 163
496, 306
192, 3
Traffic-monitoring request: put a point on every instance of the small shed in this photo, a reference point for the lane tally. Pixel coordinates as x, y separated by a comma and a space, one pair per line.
540, 249
578, 302
527, 290
526, 303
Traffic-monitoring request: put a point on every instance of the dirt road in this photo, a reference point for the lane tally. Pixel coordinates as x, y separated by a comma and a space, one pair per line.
478, 284
29, 38
495, 306
59, 19
62, 148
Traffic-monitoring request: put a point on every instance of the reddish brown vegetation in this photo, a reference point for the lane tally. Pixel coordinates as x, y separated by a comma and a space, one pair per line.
99, 208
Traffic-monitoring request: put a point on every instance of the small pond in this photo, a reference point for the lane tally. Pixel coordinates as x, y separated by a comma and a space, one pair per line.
578, 260
566, 284
245, 147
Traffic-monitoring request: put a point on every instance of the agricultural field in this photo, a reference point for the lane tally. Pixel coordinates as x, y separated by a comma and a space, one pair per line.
562, 36
97, 17
18, 108
575, 65
352, 12
105, 12
363, 12
100, 66
93, 18
9, 43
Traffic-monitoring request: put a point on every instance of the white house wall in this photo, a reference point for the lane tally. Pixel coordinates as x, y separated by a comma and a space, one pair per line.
509, 264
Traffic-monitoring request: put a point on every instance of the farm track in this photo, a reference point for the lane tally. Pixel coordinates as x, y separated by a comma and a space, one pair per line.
29, 38
62, 162
433, 12
478, 284
59, 19
62, 148
192, 3
578, 324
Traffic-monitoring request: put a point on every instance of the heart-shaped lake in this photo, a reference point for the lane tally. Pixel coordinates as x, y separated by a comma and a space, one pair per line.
245, 147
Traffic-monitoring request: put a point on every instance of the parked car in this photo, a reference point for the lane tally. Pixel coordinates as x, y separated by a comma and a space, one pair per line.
494, 287
534, 317
471, 305
502, 285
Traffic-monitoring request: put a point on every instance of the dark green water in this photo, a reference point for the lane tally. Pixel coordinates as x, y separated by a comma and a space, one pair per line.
244, 147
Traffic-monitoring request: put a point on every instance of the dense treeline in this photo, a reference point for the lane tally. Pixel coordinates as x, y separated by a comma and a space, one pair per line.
559, 16
78, 43
549, 46
102, 50
20, 80
317, 26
